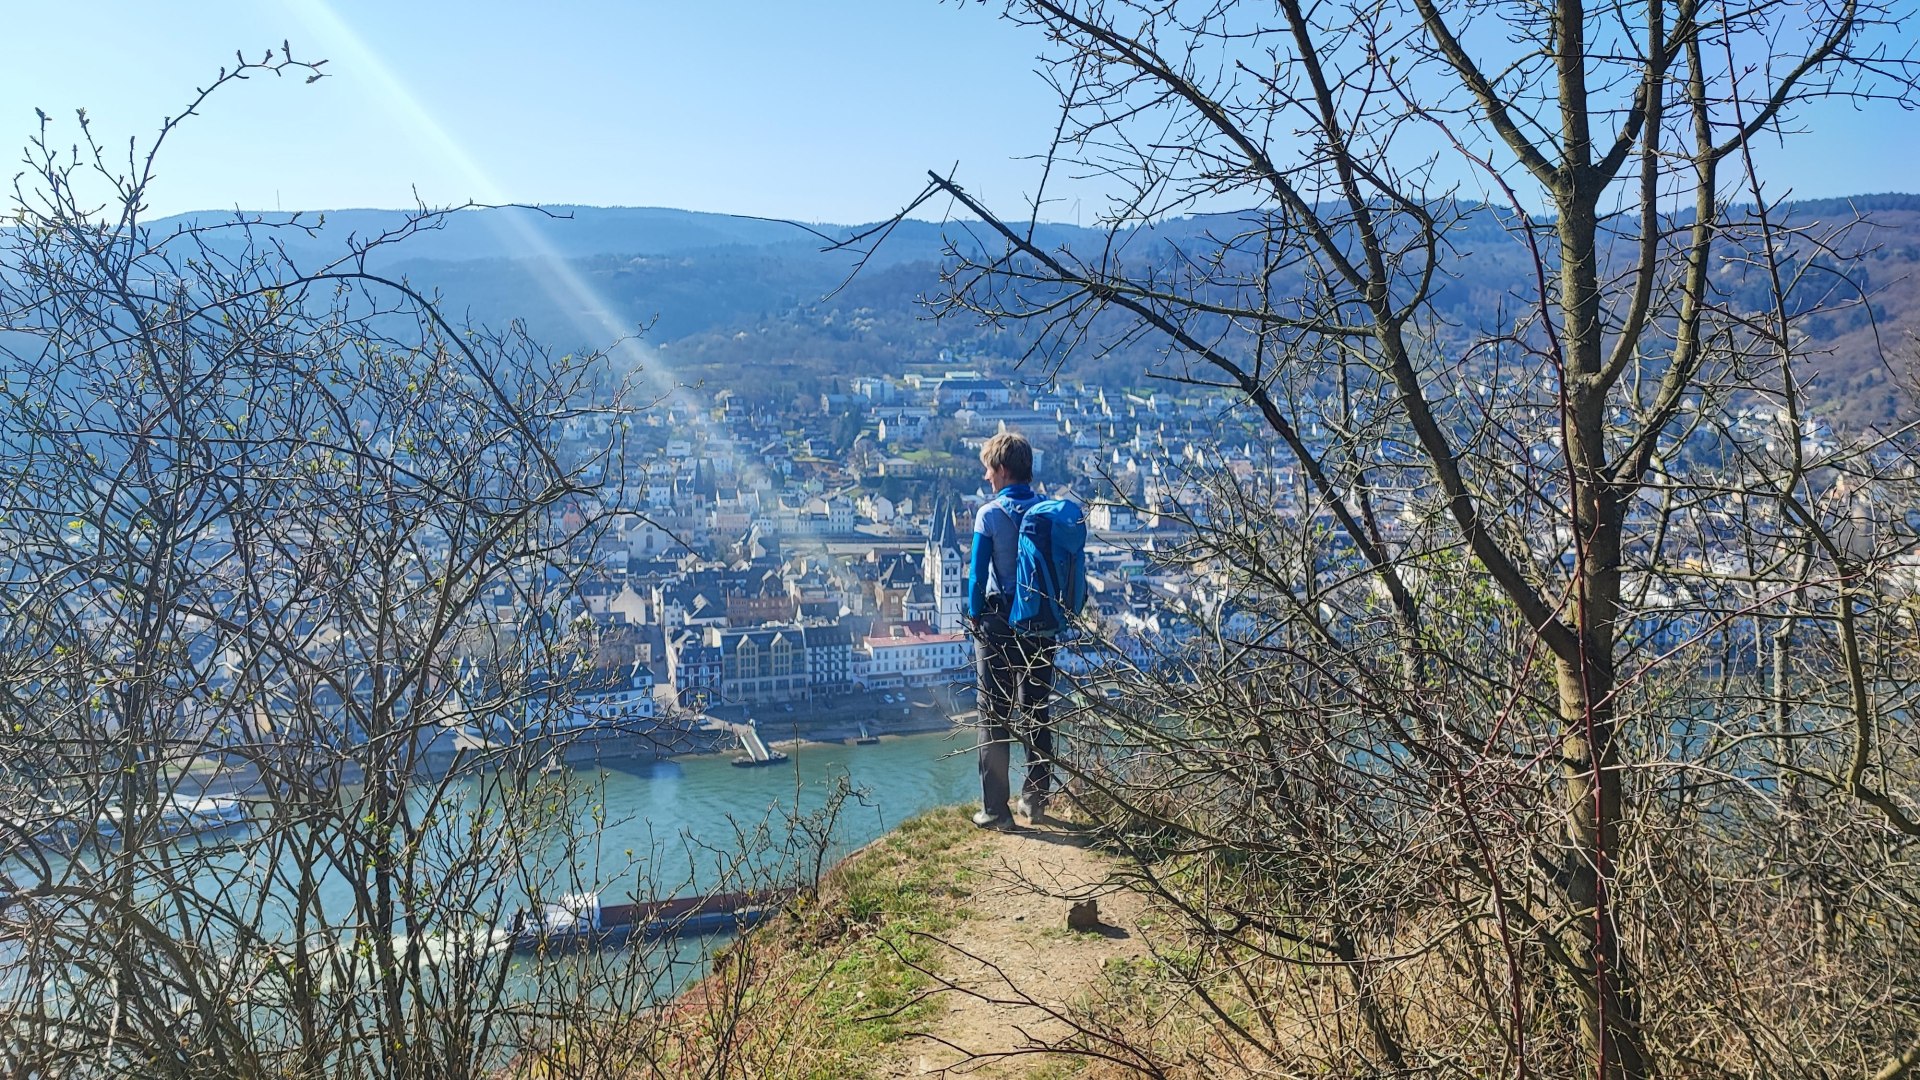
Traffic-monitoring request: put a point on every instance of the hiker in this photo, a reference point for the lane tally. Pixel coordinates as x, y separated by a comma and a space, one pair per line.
1014, 664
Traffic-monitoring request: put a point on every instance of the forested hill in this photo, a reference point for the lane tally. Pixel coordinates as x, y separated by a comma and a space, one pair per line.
722, 294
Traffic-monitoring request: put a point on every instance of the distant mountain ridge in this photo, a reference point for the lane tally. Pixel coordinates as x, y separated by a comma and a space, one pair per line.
510, 232
574, 232
722, 293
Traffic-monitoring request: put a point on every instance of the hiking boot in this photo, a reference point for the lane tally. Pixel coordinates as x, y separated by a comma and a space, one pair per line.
1031, 807
987, 819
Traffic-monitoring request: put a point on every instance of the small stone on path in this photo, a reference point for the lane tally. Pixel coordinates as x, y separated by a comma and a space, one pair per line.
1084, 915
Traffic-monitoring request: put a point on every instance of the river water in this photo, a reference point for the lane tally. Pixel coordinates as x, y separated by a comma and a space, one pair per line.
685, 818
648, 829
655, 829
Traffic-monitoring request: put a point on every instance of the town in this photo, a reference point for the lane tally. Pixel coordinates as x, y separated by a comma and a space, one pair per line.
803, 566
809, 564
794, 566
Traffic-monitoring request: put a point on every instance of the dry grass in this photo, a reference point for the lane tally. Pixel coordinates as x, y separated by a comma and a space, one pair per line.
814, 994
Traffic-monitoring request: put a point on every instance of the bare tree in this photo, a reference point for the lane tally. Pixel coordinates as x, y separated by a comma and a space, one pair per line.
1483, 726
272, 535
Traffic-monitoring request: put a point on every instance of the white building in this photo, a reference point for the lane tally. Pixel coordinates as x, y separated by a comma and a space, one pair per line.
910, 655
945, 568
612, 702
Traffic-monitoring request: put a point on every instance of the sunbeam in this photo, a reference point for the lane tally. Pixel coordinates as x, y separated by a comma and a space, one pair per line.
592, 315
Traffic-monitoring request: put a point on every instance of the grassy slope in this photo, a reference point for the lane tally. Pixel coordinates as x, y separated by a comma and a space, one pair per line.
813, 995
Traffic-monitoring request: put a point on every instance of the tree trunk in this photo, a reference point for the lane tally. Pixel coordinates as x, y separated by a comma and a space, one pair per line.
1610, 1019
1591, 767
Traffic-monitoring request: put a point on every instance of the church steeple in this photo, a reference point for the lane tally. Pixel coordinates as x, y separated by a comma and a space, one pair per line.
945, 566
941, 533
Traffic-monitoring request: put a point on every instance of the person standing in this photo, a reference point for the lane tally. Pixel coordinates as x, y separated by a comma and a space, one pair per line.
1015, 670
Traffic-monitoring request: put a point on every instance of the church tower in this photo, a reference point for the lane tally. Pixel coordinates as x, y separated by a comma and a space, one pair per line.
945, 568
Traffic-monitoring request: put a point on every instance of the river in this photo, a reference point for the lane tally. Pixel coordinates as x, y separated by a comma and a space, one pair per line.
653, 829
660, 806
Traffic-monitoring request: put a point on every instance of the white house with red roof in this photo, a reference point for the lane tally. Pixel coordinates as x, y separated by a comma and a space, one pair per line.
909, 654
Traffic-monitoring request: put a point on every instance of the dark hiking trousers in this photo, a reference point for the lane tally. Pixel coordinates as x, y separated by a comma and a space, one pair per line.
1015, 687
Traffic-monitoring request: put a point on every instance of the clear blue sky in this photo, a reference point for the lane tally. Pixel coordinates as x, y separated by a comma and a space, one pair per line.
823, 110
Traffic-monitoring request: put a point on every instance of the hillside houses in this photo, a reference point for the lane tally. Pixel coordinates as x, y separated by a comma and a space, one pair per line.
781, 554
741, 562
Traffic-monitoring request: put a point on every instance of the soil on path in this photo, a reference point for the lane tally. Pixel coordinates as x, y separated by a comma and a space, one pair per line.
1012, 968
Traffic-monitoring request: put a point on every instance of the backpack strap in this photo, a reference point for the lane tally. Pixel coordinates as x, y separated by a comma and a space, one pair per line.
1016, 513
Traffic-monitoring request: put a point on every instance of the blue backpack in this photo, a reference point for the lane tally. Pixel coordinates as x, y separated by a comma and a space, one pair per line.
1050, 569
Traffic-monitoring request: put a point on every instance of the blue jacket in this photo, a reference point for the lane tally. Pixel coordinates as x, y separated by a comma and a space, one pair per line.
996, 546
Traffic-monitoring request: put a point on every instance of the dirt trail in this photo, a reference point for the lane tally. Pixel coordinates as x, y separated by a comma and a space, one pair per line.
1014, 962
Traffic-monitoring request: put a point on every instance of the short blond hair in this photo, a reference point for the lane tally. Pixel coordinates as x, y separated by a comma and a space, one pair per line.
1009, 451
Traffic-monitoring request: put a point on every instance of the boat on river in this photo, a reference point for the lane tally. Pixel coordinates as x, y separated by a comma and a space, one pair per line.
580, 920
183, 815
61, 826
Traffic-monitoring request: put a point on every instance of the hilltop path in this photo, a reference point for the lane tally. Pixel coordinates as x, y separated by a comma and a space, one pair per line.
1013, 964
